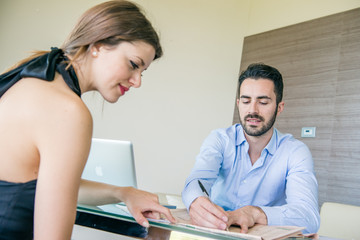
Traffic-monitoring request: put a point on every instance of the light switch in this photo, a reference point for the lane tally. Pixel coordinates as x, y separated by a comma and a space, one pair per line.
308, 131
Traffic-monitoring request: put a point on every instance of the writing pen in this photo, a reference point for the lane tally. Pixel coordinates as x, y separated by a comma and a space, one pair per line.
203, 188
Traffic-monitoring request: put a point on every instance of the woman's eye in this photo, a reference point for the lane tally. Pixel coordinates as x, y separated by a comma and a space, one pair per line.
134, 65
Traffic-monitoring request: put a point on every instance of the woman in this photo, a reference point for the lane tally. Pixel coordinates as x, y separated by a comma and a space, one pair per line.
42, 114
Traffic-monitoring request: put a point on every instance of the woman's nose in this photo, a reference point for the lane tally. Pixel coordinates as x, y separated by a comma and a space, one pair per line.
136, 80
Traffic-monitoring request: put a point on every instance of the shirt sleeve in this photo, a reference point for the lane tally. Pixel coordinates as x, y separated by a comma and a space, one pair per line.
206, 168
301, 208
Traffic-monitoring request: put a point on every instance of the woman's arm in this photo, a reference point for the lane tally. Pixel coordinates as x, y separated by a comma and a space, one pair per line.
96, 193
63, 137
141, 204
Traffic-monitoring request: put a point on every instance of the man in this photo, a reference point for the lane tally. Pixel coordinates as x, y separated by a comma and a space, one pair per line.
251, 171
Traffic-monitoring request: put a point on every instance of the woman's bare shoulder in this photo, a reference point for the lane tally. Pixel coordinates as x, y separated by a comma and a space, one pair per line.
54, 96
49, 104
41, 115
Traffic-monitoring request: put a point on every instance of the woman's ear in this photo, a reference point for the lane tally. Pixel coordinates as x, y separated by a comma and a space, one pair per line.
95, 49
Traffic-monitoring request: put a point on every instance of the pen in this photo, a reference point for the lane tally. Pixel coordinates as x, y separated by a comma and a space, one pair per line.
203, 188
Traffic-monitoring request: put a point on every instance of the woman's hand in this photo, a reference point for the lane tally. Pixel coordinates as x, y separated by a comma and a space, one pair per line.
144, 205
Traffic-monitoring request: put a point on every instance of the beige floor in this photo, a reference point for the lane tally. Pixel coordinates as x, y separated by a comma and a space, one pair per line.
85, 233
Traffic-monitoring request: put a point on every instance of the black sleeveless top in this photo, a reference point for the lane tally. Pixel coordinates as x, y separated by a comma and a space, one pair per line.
17, 210
17, 199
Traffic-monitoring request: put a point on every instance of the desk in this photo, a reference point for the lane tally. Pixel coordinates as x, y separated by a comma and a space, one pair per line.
127, 228
117, 226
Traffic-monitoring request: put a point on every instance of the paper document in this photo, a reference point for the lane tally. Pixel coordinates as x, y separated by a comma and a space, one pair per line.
122, 210
116, 209
258, 232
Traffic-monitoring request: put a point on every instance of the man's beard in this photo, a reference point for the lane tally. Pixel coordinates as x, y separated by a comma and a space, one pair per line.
257, 132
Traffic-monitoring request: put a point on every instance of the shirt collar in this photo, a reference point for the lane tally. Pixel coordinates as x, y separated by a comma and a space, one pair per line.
240, 137
270, 147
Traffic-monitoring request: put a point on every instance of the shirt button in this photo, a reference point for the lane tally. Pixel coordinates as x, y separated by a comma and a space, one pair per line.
244, 181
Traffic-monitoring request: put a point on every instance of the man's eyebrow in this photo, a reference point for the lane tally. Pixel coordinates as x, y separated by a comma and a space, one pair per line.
259, 97
264, 97
244, 96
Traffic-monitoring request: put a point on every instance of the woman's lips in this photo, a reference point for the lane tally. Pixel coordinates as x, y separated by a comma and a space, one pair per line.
123, 89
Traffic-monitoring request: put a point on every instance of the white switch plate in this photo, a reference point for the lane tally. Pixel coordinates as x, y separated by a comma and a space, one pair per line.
308, 131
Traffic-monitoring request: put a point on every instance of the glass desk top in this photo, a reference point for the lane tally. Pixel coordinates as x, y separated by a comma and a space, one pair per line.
95, 217
125, 225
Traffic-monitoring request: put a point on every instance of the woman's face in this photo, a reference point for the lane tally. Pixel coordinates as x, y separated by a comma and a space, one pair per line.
116, 69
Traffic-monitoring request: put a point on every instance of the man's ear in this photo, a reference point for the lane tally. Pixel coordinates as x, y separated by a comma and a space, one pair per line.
280, 108
237, 102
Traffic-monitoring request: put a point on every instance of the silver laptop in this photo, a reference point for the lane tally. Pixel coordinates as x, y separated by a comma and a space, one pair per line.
112, 162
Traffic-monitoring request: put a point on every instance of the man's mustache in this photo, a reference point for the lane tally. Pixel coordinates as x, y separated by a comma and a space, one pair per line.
256, 116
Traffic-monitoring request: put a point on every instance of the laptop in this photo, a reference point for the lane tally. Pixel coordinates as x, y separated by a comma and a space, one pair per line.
111, 162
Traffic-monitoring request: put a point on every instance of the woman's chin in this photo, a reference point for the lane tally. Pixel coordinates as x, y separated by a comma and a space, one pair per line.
111, 99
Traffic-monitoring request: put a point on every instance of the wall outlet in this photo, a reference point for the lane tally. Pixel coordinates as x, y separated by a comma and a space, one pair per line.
308, 132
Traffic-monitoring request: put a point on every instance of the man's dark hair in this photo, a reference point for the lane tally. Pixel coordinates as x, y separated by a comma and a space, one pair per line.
260, 70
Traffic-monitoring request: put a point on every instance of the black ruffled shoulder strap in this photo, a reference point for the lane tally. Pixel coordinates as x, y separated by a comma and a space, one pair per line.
42, 67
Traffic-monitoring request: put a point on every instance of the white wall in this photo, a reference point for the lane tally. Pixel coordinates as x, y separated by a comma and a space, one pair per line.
185, 94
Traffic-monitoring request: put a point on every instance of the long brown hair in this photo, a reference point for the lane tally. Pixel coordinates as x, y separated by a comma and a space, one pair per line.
108, 23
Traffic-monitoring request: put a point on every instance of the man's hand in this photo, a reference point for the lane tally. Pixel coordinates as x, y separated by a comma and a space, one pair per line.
205, 213
246, 217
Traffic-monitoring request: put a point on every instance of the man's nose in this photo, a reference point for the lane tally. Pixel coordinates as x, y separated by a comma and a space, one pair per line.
253, 108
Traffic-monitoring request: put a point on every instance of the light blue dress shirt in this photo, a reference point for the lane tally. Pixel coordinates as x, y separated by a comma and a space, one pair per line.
281, 182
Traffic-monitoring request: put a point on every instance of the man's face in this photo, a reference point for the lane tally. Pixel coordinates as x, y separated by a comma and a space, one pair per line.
257, 106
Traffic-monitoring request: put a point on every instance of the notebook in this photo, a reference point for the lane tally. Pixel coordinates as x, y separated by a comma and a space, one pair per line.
111, 162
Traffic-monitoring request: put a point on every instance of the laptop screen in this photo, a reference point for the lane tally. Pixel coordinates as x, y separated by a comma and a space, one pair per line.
111, 162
